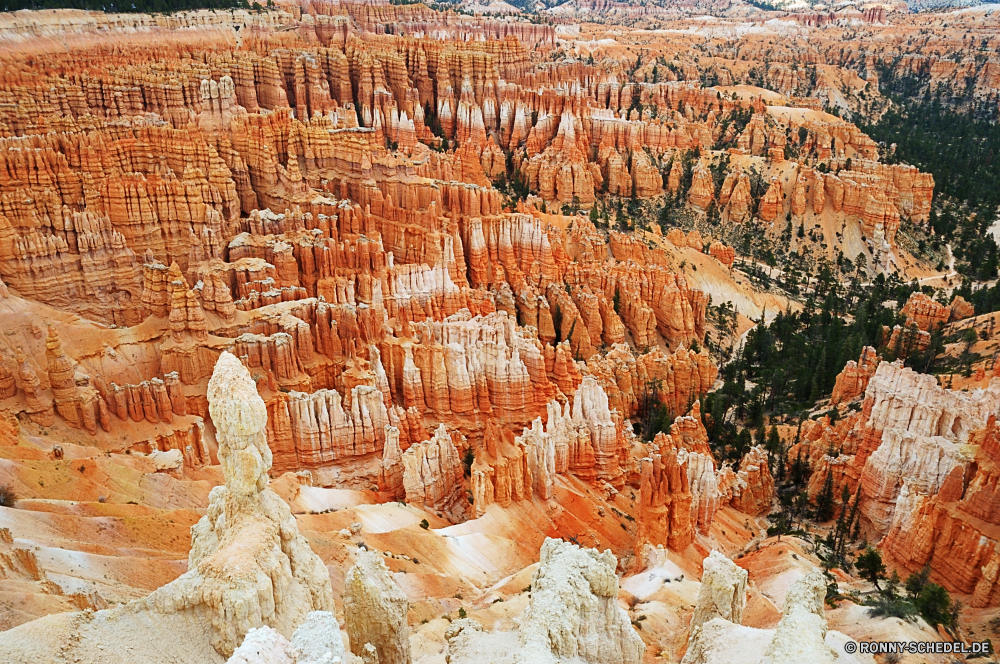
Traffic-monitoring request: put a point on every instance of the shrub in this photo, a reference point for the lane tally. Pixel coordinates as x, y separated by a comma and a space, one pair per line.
931, 600
887, 606
7, 496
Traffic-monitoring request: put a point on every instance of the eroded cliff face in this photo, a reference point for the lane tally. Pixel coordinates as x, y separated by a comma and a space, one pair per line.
923, 456
277, 203
681, 489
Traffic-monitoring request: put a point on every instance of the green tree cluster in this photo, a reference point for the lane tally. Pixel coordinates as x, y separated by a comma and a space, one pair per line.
961, 152
923, 597
786, 366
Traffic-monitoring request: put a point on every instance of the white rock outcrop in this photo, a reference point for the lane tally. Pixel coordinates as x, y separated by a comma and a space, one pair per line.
924, 430
801, 635
316, 641
432, 472
375, 611
914, 402
722, 593
263, 645
574, 612
171, 461
248, 566
573, 617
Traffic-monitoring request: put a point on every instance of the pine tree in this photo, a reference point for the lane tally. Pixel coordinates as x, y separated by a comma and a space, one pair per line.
773, 444
843, 525
797, 472
743, 442
824, 501
845, 497
871, 567
853, 523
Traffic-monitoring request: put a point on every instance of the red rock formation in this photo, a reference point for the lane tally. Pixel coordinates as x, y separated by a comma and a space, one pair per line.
722, 253
751, 488
88, 268
687, 433
665, 500
702, 188
952, 530
922, 486
802, 183
904, 341
646, 178
80, 407
561, 173
391, 471
678, 379
314, 195
38, 406
960, 309
501, 472
925, 312
853, 379
771, 203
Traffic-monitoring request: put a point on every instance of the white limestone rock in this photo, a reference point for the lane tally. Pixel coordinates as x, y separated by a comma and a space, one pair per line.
375, 611
248, 566
432, 472
723, 591
171, 461
263, 645
318, 639
574, 612
801, 633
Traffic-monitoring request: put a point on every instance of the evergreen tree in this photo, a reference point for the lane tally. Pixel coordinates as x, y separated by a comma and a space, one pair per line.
840, 530
824, 501
871, 567
853, 518
800, 469
773, 444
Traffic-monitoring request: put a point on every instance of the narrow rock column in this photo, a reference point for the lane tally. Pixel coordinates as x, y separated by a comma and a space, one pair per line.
375, 611
723, 591
801, 634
